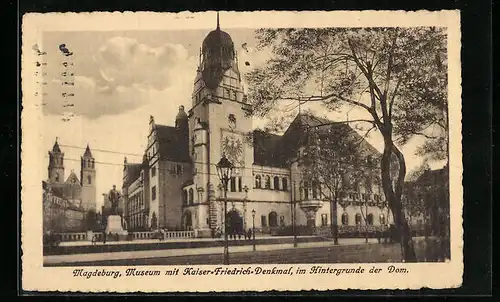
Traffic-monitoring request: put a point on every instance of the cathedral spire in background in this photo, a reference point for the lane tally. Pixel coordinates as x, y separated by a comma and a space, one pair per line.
218, 24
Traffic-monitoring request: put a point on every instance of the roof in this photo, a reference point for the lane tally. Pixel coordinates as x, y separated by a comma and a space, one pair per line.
56, 148
87, 152
433, 176
266, 149
174, 143
274, 150
133, 172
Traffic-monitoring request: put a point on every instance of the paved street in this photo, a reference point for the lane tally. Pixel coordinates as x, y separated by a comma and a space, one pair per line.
275, 253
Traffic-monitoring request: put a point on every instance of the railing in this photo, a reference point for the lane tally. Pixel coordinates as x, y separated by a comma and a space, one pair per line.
73, 236
167, 235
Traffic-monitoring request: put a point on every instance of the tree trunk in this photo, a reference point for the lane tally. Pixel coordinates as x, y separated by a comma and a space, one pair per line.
333, 220
366, 222
394, 201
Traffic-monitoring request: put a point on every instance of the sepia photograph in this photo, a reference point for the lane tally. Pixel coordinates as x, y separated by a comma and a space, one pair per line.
217, 149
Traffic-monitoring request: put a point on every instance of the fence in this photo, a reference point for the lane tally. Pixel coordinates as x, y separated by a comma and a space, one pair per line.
133, 235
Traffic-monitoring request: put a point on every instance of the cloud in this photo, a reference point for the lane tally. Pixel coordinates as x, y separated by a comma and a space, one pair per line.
125, 62
87, 99
124, 75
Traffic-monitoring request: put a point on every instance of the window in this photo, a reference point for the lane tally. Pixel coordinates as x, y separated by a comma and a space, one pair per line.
57, 176
358, 219
324, 219
240, 187
315, 189
258, 182
263, 221
273, 219
153, 193
345, 219
89, 179
233, 184
282, 220
369, 219
178, 170
191, 196
285, 184
184, 197
382, 219
153, 172
306, 190
232, 121
268, 182
276, 183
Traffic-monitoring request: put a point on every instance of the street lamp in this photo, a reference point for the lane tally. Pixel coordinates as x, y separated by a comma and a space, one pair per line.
253, 228
224, 171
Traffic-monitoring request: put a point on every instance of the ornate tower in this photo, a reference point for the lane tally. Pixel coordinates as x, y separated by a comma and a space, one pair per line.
218, 120
56, 164
87, 179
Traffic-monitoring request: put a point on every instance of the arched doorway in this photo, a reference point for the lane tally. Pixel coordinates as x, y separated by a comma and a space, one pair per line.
187, 221
273, 219
234, 222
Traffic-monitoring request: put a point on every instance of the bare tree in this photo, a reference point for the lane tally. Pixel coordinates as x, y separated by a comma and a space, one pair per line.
396, 76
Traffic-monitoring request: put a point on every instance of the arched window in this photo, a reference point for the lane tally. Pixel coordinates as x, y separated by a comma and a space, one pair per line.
369, 219
358, 219
285, 184
57, 176
258, 182
345, 219
273, 219
306, 190
184, 197
268, 182
315, 189
191, 196
89, 179
276, 183
382, 219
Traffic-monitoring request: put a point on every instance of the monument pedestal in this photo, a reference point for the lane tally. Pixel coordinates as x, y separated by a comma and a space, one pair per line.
114, 225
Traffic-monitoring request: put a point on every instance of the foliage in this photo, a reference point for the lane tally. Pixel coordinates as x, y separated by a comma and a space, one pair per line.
397, 76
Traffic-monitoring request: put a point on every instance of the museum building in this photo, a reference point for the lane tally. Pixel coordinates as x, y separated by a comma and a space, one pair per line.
176, 186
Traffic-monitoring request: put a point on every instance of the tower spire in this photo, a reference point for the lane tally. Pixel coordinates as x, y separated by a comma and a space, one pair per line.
218, 24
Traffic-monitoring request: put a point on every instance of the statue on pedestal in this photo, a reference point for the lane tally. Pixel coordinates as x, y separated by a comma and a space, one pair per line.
114, 198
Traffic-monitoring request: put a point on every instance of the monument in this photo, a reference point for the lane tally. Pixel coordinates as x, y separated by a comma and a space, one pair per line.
114, 222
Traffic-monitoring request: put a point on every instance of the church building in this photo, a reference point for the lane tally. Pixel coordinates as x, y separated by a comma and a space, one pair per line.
176, 186
74, 193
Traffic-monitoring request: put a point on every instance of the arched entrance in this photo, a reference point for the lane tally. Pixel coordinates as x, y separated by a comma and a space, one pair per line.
234, 222
187, 221
273, 219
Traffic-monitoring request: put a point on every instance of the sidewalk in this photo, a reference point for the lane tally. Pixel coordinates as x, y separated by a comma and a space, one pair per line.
174, 240
75, 258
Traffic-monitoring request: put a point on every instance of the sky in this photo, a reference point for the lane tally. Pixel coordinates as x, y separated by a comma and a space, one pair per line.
120, 79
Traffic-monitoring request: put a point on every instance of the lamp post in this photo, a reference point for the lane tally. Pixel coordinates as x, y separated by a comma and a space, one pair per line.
224, 171
253, 228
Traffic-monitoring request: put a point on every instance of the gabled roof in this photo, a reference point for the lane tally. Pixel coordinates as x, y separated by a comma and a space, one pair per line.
274, 150
174, 143
72, 179
133, 172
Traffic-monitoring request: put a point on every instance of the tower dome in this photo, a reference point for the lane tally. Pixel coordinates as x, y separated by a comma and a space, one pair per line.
218, 56
181, 120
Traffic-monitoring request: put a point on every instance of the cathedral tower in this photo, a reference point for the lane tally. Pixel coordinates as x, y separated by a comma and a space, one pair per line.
56, 164
87, 179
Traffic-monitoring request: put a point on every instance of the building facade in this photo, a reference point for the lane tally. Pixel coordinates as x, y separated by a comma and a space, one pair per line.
177, 187
69, 199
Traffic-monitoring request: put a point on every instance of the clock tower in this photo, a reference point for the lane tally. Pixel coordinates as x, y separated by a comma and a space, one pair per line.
219, 122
